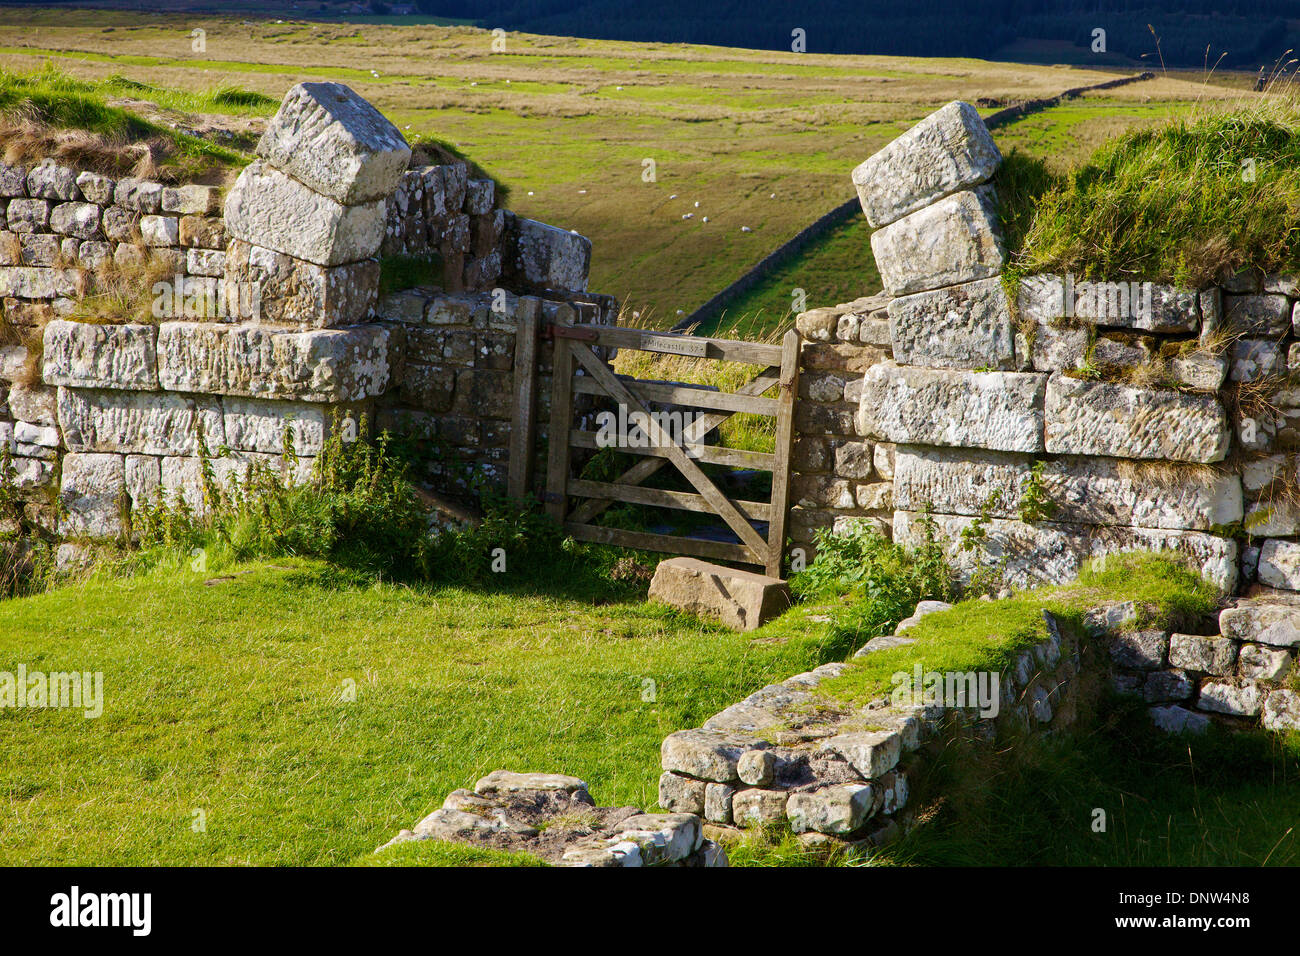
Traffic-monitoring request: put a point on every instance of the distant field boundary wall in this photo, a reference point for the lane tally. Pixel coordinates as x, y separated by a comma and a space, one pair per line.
845, 211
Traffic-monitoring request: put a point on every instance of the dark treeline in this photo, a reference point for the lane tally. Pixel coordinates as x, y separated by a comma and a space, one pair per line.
1248, 33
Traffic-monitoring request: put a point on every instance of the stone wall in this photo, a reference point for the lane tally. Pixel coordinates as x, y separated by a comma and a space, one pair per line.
272, 320
837, 476
454, 385
1243, 676
793, 754
1070, 419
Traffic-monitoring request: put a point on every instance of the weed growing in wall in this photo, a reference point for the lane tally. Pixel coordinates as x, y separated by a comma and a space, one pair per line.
1035, 503
881, 581
361, 509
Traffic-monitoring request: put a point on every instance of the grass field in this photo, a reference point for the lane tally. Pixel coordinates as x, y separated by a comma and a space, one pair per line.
289, 713
758, 139
229, 699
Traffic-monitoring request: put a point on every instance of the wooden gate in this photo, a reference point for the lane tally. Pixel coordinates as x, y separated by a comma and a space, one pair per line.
778, 365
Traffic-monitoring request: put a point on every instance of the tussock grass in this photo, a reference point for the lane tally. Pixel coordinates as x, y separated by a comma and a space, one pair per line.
123, 292
1225, 799
50, 113
1190, 201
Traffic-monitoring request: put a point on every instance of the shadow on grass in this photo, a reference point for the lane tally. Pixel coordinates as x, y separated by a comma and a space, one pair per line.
1117, 794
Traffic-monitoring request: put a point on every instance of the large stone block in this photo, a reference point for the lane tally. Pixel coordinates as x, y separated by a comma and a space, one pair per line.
93, 494
837, 810
34, 282
1206, 655
1000, 410
545, 257
1128, 421
191, 200
961, 326
1235, 699
871, 753
755, 806
100, 356
79, 219
276, 289
742, 600
146, 423
50, 180
949, 150
1282, 710
705, 754
1142, 306
33, 403
1099, 491
1263, 315
330, 139
1279, 564
323, 365
95, 188
1263, 621
678, 794
254, 424
267, 208
1053, 552
954, 241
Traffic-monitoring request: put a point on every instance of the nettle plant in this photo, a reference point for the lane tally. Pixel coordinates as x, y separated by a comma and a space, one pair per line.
881, 581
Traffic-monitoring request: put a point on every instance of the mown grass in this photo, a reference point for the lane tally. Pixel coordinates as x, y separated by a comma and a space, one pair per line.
229, 697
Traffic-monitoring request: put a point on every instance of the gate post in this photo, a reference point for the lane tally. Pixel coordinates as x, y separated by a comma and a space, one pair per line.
789, 390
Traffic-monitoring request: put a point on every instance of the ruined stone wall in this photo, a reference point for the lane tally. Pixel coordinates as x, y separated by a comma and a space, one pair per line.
1069, 419
271, 321
793, 754
1052, 420
454, 386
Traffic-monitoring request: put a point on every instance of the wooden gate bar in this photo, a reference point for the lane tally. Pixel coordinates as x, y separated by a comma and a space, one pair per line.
709, 454
557, 467
656, 497
696, 431
523, 423
727, 350
666, 543
725, 510
685, 395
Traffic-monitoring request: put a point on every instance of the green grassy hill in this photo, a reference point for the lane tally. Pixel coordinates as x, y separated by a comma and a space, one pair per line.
759, 139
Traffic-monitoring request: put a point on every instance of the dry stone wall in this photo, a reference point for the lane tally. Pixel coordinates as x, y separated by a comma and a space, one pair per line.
271, 320
1243, 676
838, 478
